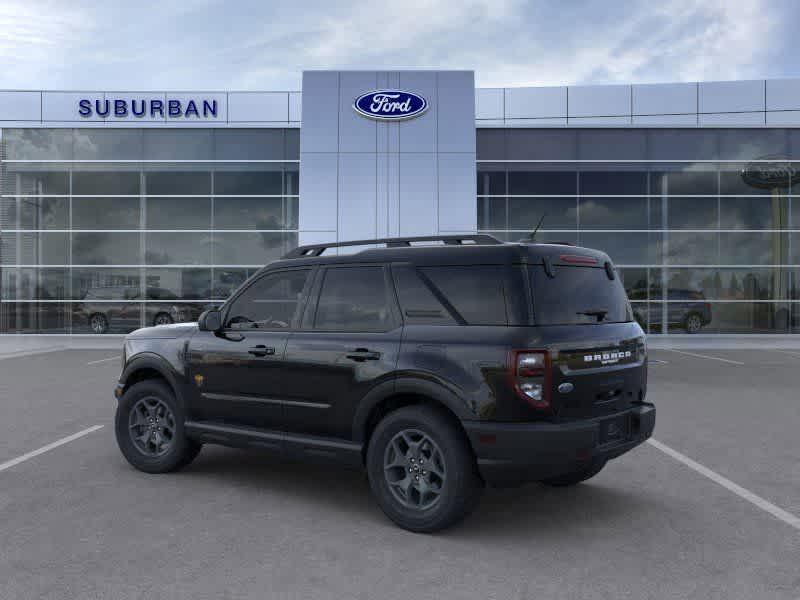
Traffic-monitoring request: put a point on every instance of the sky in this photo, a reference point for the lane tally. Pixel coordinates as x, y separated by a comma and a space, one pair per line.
206, 45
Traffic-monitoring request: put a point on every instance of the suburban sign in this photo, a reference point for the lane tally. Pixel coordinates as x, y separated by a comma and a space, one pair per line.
390, 105
200, 108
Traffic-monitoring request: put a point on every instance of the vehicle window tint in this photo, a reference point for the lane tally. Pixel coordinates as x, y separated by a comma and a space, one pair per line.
476, 292
578, 296
419, 305
353, 299
269, 303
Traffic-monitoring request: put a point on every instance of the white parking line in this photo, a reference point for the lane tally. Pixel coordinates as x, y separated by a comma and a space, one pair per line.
94, 362
795, 354
754, 499
725, 360
43, 449
31, 352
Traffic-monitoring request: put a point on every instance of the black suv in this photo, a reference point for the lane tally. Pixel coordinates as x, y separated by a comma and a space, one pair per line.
438, 365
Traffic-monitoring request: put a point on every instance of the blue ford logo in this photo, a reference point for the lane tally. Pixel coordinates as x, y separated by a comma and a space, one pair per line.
390, 105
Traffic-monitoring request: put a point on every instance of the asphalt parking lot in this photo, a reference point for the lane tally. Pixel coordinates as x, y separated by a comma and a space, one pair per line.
76, 521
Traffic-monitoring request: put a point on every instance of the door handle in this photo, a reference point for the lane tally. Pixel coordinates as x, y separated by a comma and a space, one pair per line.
362, 354
261, 350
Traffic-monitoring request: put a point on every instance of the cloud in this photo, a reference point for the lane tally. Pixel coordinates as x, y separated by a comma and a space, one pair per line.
211, 44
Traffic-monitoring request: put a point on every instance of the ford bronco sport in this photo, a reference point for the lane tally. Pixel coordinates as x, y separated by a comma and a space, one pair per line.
438, 365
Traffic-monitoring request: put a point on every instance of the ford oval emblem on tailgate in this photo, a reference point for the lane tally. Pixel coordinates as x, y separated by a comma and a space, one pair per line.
566, 387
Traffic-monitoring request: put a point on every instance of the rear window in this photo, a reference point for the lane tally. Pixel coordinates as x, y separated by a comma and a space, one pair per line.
578, 296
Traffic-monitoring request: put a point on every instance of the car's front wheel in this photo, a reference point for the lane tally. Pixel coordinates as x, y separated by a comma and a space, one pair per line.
693, 323
149, 428
421, 470
98, 323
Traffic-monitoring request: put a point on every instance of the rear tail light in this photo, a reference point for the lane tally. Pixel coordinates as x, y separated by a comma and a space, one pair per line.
529, 371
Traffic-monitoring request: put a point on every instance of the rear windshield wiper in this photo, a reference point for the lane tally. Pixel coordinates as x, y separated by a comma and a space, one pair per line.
600, 313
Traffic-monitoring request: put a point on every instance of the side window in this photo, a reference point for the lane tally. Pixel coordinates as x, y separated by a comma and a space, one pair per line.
419, 305
269, 303
476, 292
353, 299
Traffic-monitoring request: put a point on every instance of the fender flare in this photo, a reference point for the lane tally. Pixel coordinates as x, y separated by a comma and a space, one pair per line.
148, 360
407, 385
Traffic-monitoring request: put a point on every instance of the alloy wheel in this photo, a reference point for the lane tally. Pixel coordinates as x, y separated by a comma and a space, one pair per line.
151, 425
414, 469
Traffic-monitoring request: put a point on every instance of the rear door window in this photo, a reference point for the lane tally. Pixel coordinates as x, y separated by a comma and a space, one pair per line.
353, 299
578, 296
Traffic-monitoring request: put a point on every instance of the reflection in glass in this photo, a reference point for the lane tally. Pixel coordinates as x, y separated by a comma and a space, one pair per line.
177, 183
493, 213
178, 213
178, 248
33, 317
39, 248
754, 248
251, 213
244, 183
105, 213
692, 248
174, 284
106, 284
99, 183
34, 284
30, 212
629, 248
251, 248
104, 248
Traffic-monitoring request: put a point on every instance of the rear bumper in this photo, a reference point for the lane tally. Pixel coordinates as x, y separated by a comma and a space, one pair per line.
514, 453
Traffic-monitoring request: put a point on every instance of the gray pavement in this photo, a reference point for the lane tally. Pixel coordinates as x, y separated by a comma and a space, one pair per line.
78, 522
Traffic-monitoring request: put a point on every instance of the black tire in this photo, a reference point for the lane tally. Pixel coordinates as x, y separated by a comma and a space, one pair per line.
177, 453
98, 323
457, 494
575, 477
165, 318
693, 323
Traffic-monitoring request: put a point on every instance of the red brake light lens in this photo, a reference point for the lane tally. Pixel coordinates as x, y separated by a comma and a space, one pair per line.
529, 372
578, 259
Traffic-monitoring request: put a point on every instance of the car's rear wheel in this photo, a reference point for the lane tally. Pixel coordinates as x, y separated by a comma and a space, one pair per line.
421, 469
163, 319
693, 323
149, 428
98, 323
575, 477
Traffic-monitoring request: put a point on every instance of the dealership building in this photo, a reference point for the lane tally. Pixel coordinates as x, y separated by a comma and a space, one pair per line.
121, 209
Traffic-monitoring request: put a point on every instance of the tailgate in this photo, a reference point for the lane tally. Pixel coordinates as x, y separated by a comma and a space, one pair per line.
598, 377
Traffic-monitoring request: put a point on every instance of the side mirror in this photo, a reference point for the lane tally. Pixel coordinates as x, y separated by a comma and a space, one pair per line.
210, 320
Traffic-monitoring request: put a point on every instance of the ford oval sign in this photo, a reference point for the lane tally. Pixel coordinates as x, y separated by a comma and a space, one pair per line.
390, 105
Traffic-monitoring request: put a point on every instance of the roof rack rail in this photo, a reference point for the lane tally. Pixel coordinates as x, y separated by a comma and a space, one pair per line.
398, 242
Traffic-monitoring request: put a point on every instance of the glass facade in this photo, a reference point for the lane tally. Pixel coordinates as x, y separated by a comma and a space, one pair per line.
704, 224
107, 230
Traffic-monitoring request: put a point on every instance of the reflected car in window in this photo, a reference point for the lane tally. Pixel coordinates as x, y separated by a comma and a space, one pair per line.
98, 311
687, 310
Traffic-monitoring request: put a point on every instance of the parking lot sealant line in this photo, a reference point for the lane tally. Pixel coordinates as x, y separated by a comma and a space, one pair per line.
725, 360
752, 498
102, 360
70, 438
